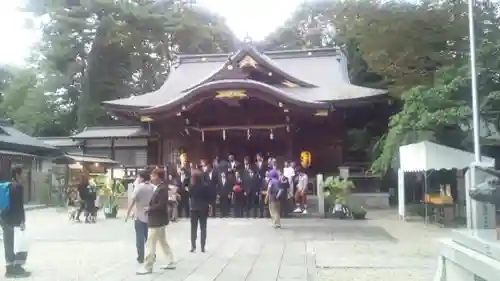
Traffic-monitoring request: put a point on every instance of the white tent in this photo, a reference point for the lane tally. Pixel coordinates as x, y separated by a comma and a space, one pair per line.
425, 156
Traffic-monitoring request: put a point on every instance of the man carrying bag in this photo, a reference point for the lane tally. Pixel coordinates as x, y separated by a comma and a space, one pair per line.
12, 220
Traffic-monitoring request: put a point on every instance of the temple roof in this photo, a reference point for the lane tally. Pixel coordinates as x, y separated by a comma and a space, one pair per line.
12, 139
317, 76
111, 132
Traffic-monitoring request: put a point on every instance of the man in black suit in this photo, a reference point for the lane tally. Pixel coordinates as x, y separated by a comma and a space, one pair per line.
233, 165
252, 187
183, 209
260, 167
224, 192
210, 181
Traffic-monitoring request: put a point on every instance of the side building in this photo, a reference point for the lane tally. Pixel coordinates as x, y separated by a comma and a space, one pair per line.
17, 148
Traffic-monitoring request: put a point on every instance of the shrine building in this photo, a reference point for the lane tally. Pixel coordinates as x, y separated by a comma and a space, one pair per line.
277, 103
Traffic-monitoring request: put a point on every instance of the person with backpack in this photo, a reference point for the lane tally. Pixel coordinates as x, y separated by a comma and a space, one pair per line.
274, 193
12, 215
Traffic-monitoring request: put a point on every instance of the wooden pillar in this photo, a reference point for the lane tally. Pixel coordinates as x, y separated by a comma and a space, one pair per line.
5, 168
161, 151
289, 148
84, 147
112, 156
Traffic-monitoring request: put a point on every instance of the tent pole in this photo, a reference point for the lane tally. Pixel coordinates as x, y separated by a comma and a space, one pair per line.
425, 201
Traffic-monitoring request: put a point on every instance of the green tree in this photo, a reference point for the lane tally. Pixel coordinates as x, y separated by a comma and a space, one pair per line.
100, 50
442, 111
26, 103
404, 42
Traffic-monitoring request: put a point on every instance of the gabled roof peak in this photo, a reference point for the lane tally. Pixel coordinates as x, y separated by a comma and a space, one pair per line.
283, 54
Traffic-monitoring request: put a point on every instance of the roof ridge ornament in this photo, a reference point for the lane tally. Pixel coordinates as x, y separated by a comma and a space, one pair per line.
247, 39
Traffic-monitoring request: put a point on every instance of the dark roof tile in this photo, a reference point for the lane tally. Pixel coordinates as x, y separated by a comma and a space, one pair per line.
324, 68
12, 139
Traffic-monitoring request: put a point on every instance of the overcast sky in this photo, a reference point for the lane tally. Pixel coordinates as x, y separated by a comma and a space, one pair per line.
255, 17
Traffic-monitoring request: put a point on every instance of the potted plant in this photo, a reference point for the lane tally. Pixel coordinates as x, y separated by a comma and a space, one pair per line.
336, 191
110, 193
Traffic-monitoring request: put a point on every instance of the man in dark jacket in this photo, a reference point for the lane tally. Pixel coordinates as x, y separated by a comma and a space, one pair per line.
202, 195
210, 180
157, 213
252, 186
224, 193
184, 179
260, 166
10, 218
83, 193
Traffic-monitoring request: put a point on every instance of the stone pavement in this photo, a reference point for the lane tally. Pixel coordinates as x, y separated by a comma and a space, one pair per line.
379, 248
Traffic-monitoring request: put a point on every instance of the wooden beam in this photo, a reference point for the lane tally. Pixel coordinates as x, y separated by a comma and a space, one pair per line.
242, 127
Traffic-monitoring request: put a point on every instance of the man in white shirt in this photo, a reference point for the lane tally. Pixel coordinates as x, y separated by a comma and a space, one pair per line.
289, 173
141, 197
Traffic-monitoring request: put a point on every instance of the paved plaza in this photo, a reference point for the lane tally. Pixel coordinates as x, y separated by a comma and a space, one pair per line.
380, 248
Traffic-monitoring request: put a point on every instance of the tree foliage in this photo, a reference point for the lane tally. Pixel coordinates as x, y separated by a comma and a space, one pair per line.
442, 111
405, 42
99, 50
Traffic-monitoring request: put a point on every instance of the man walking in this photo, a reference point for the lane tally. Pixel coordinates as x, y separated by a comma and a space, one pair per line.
12, 217
157, 212
140, 199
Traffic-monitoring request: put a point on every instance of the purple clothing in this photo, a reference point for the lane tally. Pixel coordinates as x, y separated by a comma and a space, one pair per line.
274, 185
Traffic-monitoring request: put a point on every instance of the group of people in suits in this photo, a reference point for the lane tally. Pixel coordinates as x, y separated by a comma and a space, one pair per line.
240, 189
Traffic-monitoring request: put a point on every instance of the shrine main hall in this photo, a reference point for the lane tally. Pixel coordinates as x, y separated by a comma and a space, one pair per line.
277, 103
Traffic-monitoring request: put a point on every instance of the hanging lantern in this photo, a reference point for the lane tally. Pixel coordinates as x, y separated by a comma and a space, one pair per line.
183, 158
271, 134
248, 134
224, 134
305, 159
203, 136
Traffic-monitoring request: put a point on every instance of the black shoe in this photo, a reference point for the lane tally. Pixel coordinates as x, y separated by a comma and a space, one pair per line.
193, 249
203, 249
9, 271
16, 271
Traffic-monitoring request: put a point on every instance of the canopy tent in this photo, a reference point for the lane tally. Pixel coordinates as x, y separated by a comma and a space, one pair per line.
426, 156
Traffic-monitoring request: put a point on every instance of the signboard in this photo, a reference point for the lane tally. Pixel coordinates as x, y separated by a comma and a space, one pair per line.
231, 94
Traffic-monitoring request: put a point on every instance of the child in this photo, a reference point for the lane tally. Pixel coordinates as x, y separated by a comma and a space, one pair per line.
301, 194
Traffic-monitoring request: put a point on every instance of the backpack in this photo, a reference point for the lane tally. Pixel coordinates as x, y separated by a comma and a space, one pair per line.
5, 188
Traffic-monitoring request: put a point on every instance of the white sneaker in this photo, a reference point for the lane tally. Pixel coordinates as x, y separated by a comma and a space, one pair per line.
170, 265
304, 212
298, 210
143, 271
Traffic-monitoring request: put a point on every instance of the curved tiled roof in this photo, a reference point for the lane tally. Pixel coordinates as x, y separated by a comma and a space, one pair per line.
323, 73
263, 88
